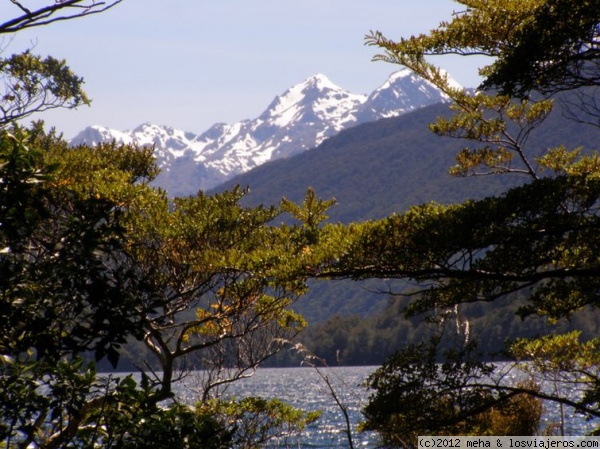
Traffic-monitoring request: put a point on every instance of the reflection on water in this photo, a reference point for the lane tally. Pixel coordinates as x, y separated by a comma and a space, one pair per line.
305, 389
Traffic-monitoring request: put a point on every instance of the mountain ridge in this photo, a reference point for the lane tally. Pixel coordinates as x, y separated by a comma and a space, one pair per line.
300, 118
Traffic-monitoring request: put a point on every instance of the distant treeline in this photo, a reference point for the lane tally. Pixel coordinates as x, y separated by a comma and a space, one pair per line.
368, 340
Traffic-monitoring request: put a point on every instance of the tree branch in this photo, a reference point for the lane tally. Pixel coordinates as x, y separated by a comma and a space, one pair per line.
437, 273
44, 16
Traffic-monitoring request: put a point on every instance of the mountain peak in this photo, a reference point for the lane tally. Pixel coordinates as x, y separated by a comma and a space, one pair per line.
320, 81
310, 87
401, 78
403, 91
402, 73
316, 99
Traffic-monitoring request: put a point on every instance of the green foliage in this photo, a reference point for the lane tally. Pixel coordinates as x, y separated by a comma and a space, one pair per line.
178, 427
255, 422
501, 126
70, 406
311, 214
57, 261
570, 366
34, 84
129, 418
93, 256
222, 282
41, 394
90, 255
558, 353
201, 281
66, 288
537, 235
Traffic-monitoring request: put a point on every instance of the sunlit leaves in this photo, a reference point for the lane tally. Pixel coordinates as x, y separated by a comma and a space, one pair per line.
31, 84
566, 365
311, 214
224, 278
256, 422
93, 255
495, 160
500, 126
558, 353
539, 240
561, 161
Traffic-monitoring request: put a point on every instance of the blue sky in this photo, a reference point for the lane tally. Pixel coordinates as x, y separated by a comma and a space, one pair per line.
191, 63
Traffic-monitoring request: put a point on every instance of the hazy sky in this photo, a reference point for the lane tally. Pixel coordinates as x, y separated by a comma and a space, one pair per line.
191, 63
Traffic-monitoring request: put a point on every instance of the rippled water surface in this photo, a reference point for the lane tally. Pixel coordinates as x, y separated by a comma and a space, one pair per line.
305, 389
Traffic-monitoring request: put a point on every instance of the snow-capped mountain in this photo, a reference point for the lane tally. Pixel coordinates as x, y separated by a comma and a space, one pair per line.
299, 119
402, 92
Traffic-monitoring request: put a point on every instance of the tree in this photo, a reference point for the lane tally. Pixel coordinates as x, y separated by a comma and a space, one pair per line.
64, 291
500, 126
223, 281
539, 239
61, 257
557, 50
417, 393
93, 257
32, 83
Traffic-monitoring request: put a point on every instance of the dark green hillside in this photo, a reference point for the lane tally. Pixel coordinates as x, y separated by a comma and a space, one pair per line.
378, 168
354, 339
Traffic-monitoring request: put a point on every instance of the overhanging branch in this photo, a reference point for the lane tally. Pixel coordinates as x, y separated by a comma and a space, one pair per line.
49, 14
437, 273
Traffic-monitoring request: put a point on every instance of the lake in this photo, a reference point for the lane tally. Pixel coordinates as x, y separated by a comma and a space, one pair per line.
305, 389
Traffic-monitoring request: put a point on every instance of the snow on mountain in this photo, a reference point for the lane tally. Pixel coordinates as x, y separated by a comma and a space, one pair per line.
299, 119
402, 92
169, 143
